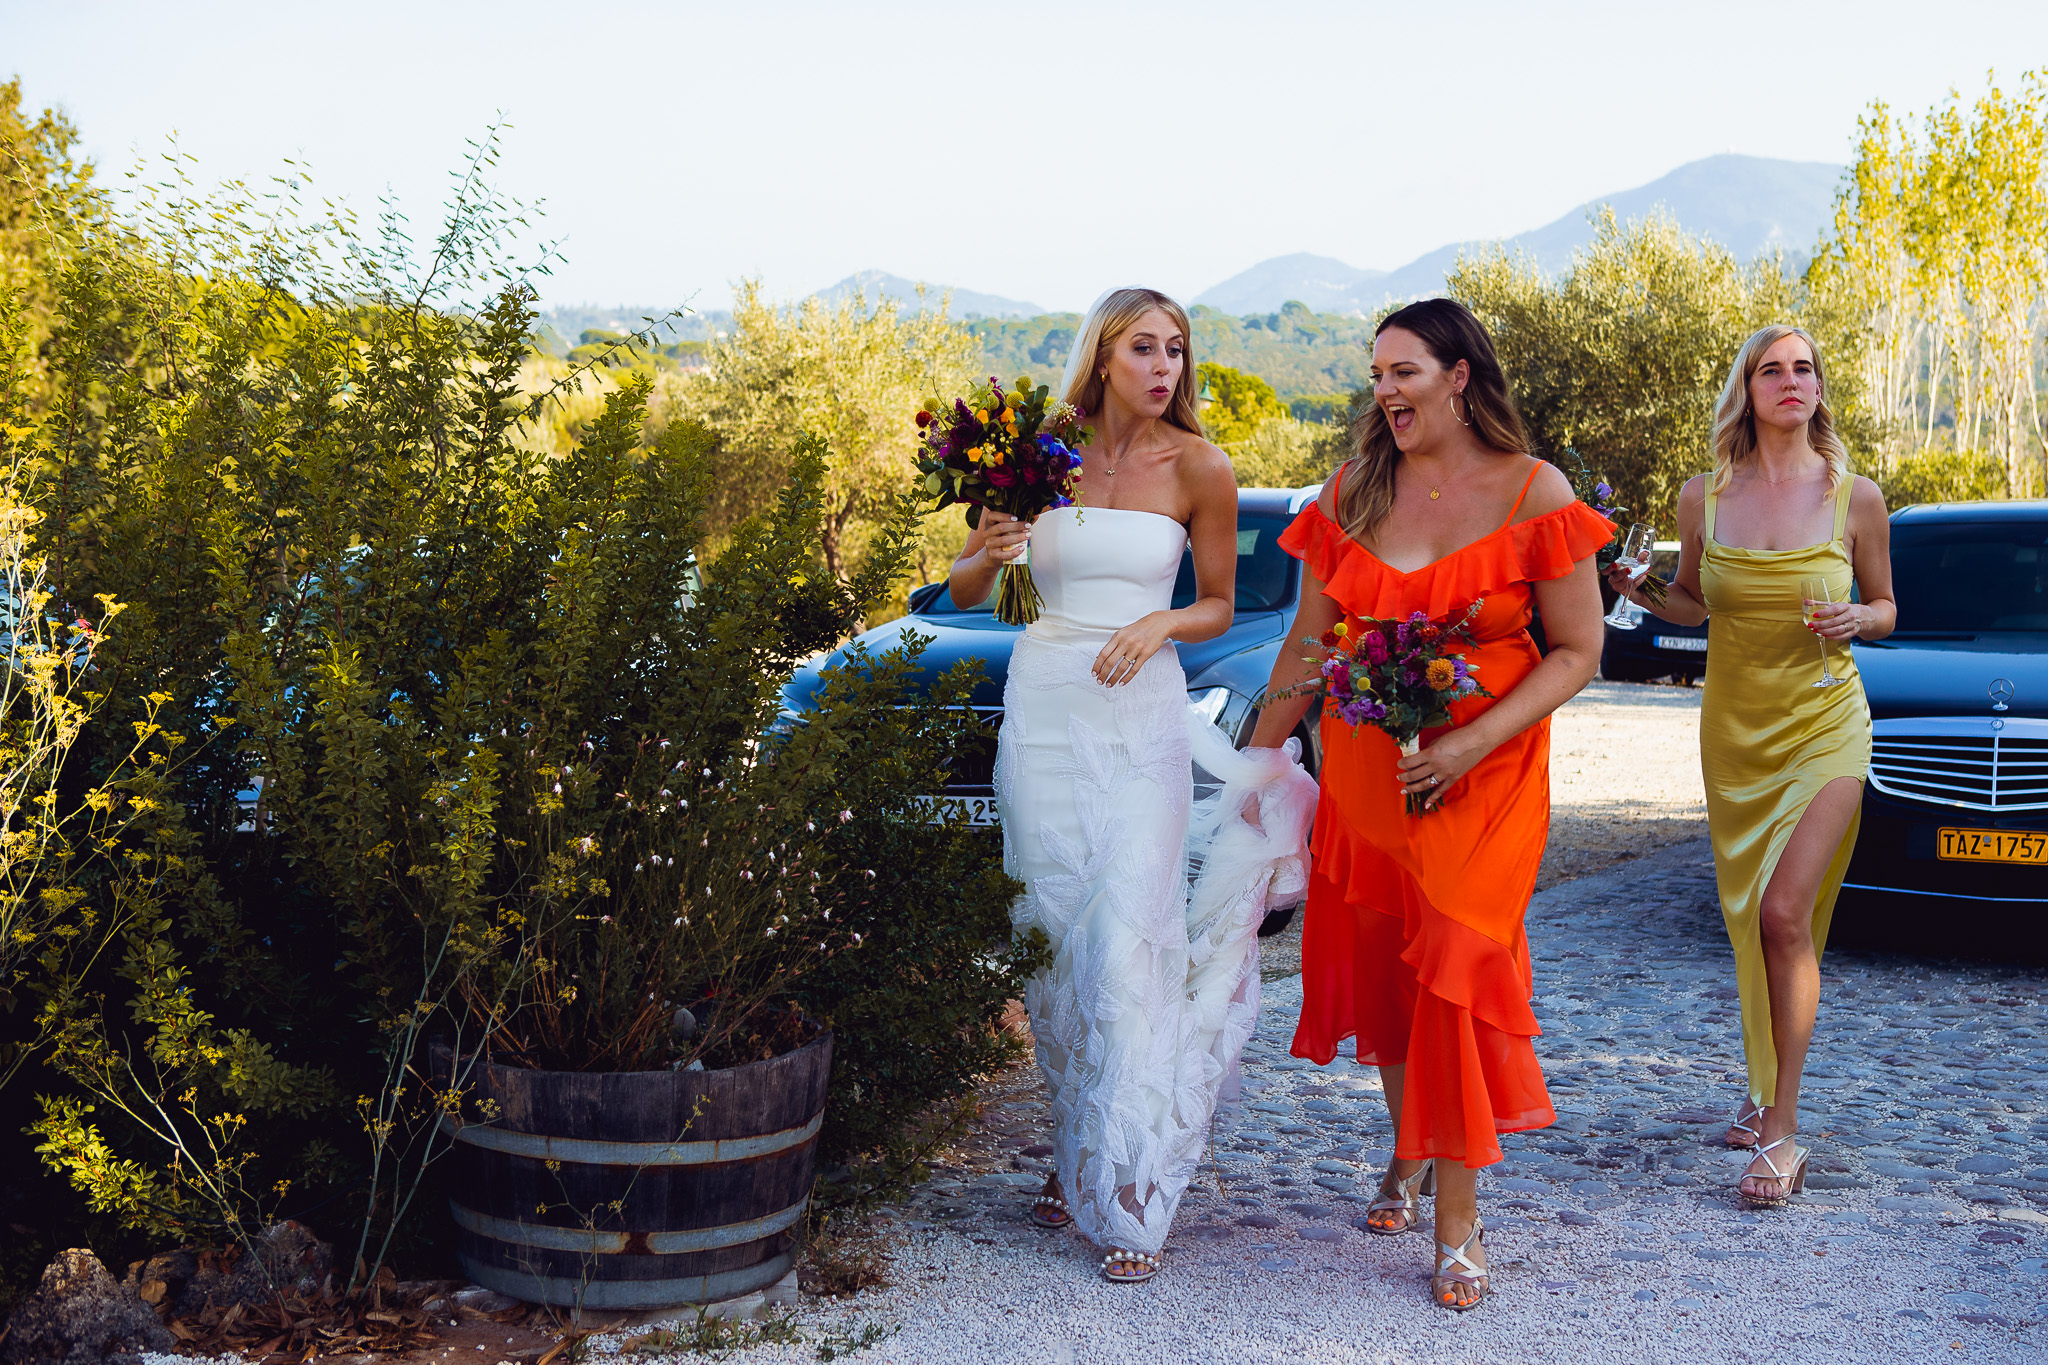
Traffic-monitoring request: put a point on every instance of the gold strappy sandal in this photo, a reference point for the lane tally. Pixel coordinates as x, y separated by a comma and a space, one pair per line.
1794, 1179
1748, 1113
1446, 1284
1400, 1195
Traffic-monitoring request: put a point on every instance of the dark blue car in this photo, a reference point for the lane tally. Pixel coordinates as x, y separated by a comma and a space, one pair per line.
1225, 675
1953, 855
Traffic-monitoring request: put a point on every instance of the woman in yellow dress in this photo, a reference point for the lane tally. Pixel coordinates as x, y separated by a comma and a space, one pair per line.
1784, 728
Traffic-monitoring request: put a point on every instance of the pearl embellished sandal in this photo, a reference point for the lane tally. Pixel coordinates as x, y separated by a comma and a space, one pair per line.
1791, 1181
1137, 1267
1050, 1212
1449, 1286
1749, 1117
1399, 1196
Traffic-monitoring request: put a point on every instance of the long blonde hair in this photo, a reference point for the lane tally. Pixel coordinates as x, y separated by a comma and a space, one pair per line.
1735, 423
1451, 333
1114, 314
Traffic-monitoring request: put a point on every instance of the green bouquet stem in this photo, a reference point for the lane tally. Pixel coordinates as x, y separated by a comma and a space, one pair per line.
1017, 599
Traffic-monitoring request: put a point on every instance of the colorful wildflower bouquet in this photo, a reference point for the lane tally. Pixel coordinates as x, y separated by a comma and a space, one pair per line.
1598, 494
1398, 676
1009, 451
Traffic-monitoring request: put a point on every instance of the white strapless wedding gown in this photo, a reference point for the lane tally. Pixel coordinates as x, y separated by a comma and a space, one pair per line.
1152, 899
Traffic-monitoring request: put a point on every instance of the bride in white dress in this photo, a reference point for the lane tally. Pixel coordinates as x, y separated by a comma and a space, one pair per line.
1153, 989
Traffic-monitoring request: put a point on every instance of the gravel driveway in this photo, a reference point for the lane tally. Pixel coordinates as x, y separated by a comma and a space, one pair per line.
1615, 1235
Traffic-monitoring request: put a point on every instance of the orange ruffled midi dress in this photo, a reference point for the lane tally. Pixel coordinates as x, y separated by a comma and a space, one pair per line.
1412, 940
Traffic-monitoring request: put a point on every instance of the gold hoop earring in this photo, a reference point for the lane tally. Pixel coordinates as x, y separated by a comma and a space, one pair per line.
1454, 410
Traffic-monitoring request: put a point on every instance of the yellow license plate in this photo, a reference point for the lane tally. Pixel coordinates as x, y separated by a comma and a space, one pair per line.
1991, 846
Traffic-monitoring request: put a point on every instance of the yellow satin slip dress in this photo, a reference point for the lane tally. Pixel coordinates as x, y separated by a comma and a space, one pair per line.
1769, 741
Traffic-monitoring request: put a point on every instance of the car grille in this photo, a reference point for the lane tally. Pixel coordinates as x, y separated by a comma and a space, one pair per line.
1993, 765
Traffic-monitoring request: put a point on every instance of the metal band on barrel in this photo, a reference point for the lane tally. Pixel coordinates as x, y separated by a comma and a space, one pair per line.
519, 1233
591, 1152
565, 1293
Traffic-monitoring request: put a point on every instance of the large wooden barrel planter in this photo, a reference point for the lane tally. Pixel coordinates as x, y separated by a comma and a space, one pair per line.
708, 1205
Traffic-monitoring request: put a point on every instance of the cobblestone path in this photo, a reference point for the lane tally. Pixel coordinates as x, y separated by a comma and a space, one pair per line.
1614, 1235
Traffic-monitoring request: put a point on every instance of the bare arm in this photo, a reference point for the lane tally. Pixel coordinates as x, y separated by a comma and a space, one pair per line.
1684, 604
999, 539
1314, 614
1212, 539
1870, 550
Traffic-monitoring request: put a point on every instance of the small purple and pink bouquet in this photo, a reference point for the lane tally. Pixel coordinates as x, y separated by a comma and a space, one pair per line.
1010, 451
1398, 676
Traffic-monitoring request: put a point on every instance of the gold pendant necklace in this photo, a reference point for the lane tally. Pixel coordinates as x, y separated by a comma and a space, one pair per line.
1433, 494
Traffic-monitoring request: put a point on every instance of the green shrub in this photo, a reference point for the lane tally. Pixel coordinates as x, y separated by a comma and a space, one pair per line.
457, 738
1284, 453
1937, 475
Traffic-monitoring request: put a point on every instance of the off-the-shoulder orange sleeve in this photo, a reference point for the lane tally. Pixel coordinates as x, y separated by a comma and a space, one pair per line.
1529, 551
1316, 542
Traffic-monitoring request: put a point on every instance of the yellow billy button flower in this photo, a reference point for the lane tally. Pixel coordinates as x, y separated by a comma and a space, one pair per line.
1340, 629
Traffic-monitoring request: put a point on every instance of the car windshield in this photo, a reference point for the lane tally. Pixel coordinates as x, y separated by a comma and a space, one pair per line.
1262, 574
1971, 576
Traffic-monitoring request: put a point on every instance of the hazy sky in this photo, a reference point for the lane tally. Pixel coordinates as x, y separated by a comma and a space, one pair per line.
1040, 151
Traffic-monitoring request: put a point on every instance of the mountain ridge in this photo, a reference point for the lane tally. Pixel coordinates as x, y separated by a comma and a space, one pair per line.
1747, 203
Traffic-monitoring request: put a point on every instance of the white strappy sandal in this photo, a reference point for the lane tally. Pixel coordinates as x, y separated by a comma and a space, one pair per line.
1141, 1267
1050, 1212
1398, 1195
1794, 1179
1444, 1286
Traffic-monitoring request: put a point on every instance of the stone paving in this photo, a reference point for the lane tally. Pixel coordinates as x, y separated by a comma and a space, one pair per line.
1614, 1234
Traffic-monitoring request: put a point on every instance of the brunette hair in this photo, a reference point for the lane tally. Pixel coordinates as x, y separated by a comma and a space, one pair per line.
1114, 314
1735, 421
1365, 491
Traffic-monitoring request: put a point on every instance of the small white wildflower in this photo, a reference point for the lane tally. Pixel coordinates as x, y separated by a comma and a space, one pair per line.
870, 873
856, 940
707, 772
682, 805
639, 867
811, 827
771, 931
746, 876
664, 744
844, 816
680, 921
664, 791
558, 789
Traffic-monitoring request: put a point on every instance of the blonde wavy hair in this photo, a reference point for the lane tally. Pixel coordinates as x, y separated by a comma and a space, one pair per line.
1735, 422
1112, 315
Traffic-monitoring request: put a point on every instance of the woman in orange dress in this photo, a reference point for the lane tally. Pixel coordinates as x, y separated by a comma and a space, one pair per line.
1413, 942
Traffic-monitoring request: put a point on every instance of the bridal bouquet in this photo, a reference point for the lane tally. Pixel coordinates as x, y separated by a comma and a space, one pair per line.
1598, 494
1398, 676
1009, 451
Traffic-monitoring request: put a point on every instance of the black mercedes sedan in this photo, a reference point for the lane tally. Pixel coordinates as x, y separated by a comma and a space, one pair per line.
1953, 854
1225, 675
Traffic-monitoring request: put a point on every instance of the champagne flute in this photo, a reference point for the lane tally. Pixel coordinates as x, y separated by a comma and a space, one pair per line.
1813, 592
1635, 555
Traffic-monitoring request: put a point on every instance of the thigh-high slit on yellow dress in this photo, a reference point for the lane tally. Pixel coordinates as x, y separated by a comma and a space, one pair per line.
1769, 741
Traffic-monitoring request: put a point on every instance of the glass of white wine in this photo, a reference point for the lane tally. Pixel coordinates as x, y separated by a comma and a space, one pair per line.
1813, 592
1635, 557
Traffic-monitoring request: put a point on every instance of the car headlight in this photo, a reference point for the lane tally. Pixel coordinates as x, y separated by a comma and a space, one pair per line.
1209, 703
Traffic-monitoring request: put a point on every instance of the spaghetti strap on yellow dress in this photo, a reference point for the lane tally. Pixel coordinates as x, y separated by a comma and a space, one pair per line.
1769, 741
